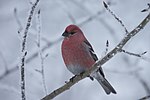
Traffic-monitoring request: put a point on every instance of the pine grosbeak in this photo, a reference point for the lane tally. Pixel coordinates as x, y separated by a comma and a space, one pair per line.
78, 55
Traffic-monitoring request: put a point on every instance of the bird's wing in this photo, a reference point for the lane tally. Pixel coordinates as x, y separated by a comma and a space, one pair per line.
89, 46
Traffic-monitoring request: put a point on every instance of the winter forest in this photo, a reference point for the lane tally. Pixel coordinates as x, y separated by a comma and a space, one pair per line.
31, 63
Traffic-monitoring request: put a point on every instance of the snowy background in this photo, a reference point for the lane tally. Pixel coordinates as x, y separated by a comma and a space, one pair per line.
129, 75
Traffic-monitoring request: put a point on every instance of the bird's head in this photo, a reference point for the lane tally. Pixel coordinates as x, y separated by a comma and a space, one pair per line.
71, 30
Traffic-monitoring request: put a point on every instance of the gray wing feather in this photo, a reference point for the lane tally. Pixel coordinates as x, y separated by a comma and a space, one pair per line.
94, 56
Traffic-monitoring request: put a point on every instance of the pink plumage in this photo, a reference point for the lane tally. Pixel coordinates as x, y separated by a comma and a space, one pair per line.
78, 56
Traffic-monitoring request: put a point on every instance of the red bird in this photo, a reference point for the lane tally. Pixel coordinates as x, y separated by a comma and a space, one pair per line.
78, 55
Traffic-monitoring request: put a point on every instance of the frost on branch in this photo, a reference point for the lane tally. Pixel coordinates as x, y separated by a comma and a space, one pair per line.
38, 21
24, 52
118, 19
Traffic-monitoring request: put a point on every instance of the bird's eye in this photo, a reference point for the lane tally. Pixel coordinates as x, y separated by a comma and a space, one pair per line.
72, 33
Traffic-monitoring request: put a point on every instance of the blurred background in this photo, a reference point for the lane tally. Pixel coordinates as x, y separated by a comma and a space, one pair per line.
129, 75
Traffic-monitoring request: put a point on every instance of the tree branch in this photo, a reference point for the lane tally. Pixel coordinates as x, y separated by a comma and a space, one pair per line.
24, 52
38, 22
111, 54
118, 19
145, 98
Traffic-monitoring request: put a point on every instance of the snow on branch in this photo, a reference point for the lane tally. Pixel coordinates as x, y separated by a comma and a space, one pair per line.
112, 13
100, 62
38, 22
24, 52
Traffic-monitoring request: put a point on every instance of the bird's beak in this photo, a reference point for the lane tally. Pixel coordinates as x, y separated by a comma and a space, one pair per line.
65, 34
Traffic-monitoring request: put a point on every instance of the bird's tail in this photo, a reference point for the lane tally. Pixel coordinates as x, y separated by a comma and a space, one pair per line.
105, 84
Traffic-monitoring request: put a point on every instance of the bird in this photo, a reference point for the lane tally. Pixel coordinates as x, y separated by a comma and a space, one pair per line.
79, 56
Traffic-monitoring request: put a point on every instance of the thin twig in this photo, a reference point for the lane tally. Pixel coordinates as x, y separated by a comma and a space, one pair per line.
24, 52
106, 49
118, 19
141, 56
147, 9
40, 50
145, 98
107, 46
111, 54
18, 21
133, 54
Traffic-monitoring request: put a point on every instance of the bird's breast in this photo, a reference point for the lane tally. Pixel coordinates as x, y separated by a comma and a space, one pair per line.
75, 55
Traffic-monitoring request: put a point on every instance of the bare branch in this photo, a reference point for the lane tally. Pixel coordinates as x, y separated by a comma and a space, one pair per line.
111, 54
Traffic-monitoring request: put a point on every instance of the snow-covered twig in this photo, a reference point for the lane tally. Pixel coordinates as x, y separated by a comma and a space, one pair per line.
147, 9
141, 55
22, 69
100, 62
118, 19
107, 46
23, 50
40, 49
133, 54
106, 49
